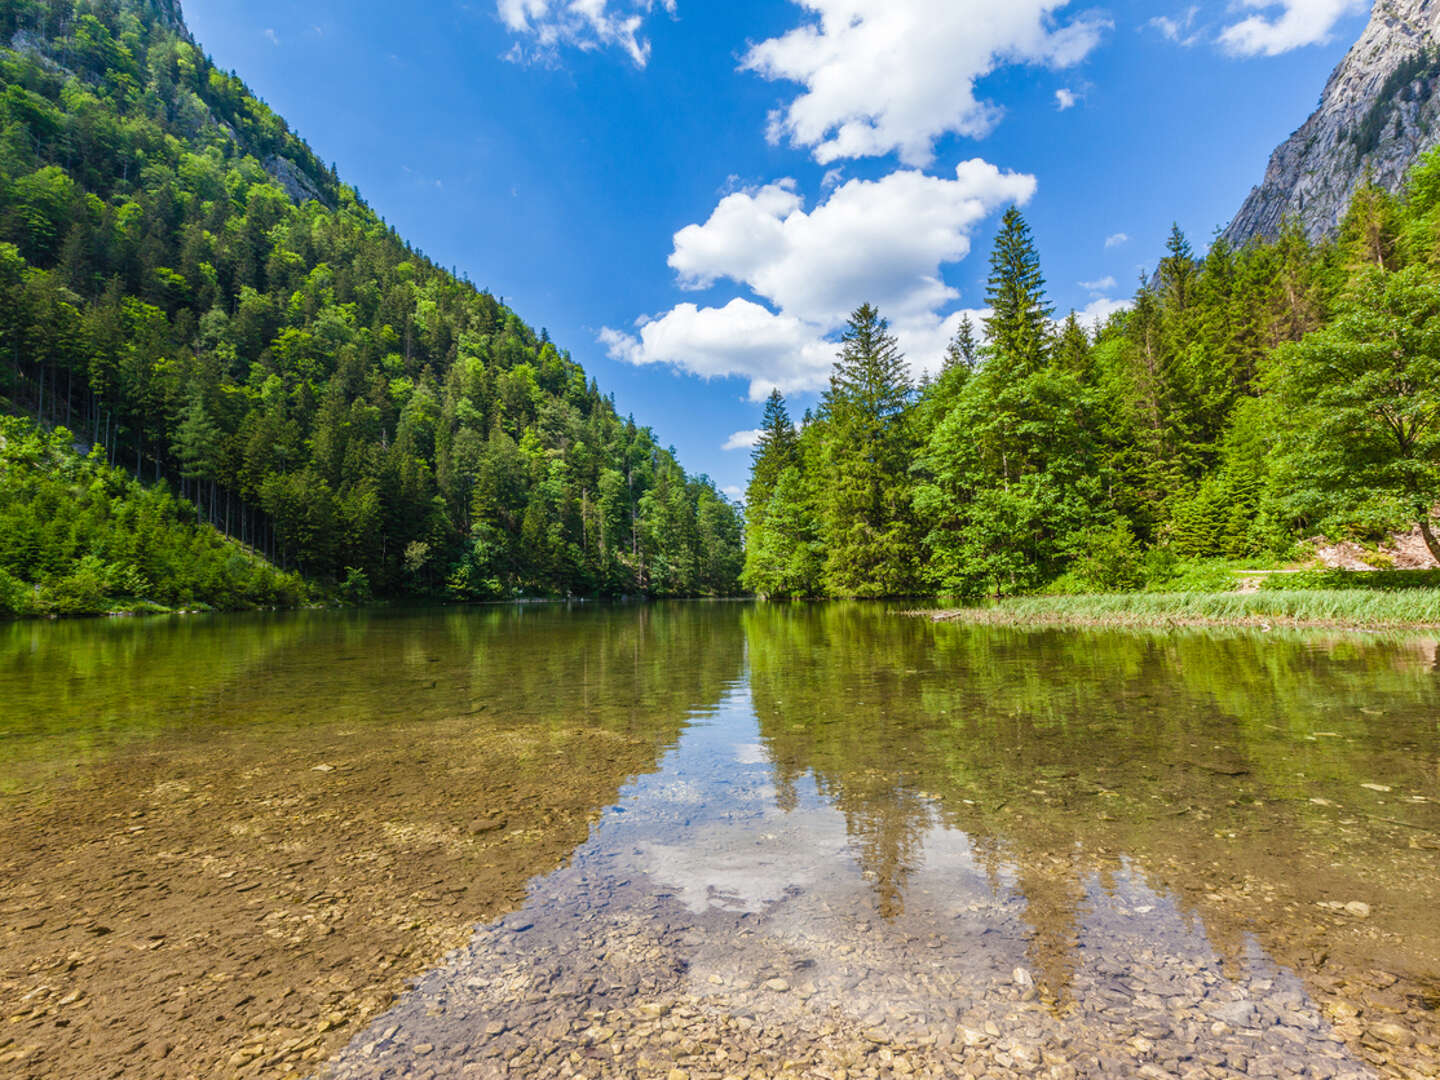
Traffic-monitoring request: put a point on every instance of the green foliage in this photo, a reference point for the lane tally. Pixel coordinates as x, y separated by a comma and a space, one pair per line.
776, 450
1019, 313
1249, 400
1007, 474
355, 589
868, 530
78, 537
784, 556
1362, 398
14, 596
1166, 572
1109, 560
1340, 580
309, 381
1338, 608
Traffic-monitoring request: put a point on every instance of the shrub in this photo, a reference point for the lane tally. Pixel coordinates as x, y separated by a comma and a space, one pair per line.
1109, 560
14, 595
355, 589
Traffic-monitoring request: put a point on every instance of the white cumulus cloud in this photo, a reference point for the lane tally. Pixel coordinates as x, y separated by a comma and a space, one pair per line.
883, 241
741, 339
583, 24
1066, 99
743, 440
1115, 240
1298, 23
894, 75
1099, 310
1105, 284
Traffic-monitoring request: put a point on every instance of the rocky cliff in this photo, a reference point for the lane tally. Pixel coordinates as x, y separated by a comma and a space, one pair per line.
1377, 115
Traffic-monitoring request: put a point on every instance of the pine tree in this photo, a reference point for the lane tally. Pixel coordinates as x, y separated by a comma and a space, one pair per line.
783, 557
1020, 316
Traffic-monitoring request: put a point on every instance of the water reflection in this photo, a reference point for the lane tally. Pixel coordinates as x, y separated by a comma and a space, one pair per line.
901, 849
838, 841
232, 840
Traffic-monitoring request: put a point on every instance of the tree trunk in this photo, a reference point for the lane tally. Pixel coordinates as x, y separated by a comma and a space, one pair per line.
1430, 541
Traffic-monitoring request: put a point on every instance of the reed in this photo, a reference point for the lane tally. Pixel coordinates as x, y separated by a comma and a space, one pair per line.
1352, 608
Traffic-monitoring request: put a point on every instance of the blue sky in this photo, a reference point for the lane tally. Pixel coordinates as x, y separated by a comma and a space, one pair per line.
690, 195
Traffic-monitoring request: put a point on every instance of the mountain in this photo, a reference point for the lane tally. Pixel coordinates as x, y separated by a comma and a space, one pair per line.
1378, 114
186, 285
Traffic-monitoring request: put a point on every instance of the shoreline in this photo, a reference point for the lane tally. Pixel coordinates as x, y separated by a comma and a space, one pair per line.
1361, 610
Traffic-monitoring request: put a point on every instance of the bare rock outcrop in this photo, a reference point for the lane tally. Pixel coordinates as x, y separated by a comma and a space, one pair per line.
1377, 115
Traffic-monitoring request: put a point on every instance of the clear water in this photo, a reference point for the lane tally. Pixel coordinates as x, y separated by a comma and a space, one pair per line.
867, 845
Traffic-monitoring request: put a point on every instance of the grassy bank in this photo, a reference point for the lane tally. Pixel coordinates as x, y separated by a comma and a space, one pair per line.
1329, 608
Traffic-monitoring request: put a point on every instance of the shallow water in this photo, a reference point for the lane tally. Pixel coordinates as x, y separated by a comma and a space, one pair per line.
861, 844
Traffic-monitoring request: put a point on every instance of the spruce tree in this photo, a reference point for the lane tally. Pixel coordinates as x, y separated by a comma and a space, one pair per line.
774, 453
1178, 271
1020, 315
1072, 348
197, 447
963, 350
868, 528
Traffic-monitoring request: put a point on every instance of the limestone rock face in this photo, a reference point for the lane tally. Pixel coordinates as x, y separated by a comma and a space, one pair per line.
169, 15
298, 184
1378, 113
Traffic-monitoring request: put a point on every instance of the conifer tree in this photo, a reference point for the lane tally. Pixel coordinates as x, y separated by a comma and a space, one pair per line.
1018, 325
1177, 272
963, 350
197, 447
868, 529
773, 453
1072, 347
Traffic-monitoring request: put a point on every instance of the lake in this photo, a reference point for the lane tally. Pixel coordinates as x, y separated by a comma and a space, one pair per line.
714, 840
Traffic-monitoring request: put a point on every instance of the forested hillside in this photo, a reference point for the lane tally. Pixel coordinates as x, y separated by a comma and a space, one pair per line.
1252, 398
184, 284
78, 537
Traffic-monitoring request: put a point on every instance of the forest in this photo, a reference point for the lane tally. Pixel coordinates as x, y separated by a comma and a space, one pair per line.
1250, 400
185, 287
78, 537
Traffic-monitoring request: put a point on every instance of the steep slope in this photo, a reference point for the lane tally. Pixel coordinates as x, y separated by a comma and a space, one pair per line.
1377, 116
78, 537
184, 283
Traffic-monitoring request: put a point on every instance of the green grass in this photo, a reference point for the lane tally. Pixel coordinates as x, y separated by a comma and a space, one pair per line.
1332, 580
1350, 608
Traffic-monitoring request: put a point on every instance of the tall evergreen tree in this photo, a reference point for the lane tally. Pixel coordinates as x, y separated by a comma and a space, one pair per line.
1177, 272
1019, 320
868, 528
963, 350
773, 453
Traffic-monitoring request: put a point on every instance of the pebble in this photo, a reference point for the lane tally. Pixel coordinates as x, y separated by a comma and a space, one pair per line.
1393, 1034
